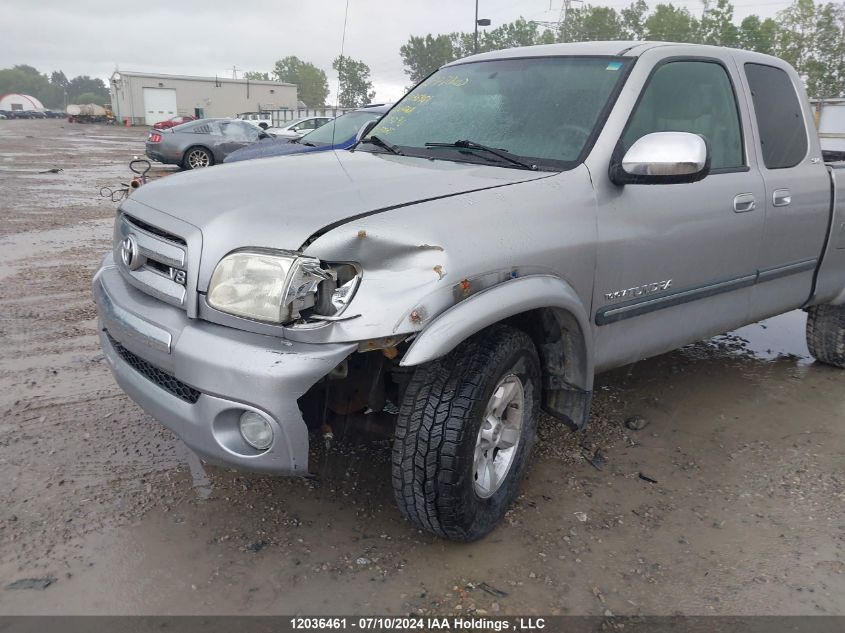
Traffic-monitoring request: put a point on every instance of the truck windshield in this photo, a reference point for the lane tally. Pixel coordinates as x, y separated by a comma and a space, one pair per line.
543, 109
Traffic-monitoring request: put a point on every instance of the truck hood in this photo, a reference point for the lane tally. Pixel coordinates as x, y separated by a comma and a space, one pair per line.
282, 202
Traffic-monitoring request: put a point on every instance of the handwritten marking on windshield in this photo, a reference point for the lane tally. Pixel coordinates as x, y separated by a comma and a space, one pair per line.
449, 80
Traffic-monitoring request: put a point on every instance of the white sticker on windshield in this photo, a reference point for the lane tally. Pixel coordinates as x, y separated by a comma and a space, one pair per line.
614, 66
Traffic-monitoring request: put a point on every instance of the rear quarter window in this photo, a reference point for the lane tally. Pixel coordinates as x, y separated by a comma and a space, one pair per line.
783, 135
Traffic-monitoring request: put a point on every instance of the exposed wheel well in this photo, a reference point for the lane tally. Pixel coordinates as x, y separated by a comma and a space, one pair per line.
562, 347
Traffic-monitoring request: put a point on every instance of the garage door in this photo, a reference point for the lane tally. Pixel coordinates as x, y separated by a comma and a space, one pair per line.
159, 104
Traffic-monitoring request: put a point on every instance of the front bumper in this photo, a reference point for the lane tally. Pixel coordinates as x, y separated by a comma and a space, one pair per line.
197, 378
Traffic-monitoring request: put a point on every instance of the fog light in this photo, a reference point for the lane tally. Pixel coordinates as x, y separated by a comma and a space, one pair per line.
256, 430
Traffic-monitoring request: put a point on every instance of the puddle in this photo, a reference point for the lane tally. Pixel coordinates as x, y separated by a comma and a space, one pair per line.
779, 338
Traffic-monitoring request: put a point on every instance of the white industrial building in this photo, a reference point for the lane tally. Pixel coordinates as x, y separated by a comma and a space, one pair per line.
18, 102
147, 98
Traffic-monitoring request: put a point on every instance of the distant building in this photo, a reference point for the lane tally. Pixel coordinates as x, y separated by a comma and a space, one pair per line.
147, 98
17, 102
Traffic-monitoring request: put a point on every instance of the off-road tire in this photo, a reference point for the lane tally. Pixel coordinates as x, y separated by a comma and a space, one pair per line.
438, 424
826, 334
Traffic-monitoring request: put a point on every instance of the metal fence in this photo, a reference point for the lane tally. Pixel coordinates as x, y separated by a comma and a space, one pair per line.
280, 117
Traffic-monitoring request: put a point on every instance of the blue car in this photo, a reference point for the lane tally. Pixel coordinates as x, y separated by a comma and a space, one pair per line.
336, 134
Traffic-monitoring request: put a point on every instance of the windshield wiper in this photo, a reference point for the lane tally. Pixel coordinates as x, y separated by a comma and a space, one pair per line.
380, 142
501, 153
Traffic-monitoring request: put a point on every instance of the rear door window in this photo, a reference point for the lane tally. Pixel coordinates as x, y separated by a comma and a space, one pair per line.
783, 135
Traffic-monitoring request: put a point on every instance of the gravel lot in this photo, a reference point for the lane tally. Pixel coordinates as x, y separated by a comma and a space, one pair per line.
729, 501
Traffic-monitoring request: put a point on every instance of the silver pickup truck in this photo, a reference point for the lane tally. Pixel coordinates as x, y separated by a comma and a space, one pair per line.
518, 222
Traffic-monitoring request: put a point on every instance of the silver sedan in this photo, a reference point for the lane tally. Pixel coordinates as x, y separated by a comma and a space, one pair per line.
201, 143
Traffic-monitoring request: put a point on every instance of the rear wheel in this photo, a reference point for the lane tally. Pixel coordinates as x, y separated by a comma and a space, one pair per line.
197, 158
826, 334
464, 435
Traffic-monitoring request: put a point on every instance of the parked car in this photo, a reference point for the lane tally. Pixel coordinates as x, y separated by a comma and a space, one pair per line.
173, 122
259, 119
476, 259
201, 143
338, 134
299, 127
2, 116
53, 114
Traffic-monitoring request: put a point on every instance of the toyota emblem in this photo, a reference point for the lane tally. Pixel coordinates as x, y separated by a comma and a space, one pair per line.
129, 253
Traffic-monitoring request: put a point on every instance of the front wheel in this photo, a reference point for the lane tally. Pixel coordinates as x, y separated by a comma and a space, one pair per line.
465, 431
197, 158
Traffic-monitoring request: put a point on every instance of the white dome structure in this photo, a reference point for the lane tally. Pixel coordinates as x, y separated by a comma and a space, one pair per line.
18, 102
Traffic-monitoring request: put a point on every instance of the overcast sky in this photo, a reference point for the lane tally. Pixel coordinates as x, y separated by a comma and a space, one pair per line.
208, 37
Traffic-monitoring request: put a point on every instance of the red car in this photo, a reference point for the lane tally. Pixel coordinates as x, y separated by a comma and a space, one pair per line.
177, 120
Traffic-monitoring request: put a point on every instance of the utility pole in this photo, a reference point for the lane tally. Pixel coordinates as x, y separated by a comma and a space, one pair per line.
476, 27
481, 22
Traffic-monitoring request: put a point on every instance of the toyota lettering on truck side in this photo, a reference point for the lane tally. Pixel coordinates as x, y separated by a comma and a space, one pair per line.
520, 221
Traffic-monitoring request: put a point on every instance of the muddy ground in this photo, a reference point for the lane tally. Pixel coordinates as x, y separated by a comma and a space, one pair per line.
739, 509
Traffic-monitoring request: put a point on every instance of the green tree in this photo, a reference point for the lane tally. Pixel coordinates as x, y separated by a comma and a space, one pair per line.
421, 56
825, 68
717, 26
255, 75
591, 23
797, 36
758, 35
25, 79
668, 23
633, 20
89, 97
57, 78
28, 70
311, 82
356, 89
520, 32
79, 86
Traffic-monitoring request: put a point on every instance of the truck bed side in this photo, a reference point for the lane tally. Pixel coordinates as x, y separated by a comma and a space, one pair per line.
829, 285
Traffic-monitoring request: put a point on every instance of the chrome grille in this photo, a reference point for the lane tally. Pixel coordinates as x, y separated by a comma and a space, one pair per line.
159, 260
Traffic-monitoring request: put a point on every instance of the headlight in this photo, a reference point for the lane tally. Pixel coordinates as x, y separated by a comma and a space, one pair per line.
277, 287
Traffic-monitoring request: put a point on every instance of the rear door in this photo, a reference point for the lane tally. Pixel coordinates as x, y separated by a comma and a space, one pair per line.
676, 262
797, 200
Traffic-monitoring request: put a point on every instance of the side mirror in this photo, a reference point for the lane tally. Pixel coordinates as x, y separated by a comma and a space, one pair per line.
662, 158
365, 129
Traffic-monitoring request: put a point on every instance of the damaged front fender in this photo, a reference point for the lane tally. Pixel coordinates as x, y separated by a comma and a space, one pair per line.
491, 306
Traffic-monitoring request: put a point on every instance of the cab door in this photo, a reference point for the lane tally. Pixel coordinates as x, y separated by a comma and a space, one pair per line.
676, 262
797, 200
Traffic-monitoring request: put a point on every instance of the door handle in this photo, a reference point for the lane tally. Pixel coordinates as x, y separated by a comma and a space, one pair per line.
744, 202
781, 197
